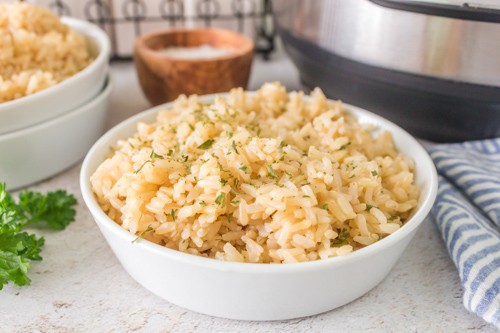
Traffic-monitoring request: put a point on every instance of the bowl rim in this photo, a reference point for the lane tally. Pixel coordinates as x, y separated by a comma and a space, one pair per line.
103, 221
86, 29
141, 47
105, 91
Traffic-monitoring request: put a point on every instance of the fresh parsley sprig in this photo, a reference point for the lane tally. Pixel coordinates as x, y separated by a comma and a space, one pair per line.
34, 210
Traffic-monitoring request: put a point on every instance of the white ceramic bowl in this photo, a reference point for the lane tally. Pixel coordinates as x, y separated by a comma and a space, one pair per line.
66, 95
43, 150
258, 291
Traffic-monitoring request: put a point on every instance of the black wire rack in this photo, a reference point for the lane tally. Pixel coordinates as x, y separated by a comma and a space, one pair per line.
172, 12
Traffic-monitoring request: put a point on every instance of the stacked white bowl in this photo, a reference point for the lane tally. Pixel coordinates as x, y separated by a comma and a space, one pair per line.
47, 132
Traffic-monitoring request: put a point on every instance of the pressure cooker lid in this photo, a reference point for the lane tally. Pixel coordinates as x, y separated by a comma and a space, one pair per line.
475, 10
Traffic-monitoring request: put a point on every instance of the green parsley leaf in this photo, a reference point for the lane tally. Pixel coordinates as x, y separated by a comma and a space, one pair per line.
149, 228
13, 267
221, 199
344, 146
244, 168
18, 247
342, 238
53, 209
369, 207
374, 173
221, 168
154, 155
233, 147
271, 172
142, 166
207, 144
172, 214
324, 206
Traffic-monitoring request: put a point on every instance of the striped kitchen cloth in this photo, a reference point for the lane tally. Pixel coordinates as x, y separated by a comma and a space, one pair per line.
467, 212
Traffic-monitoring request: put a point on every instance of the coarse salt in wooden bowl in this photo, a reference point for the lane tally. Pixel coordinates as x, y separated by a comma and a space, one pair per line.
191, 61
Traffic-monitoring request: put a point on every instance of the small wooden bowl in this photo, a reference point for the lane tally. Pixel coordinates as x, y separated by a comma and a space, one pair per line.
163, 78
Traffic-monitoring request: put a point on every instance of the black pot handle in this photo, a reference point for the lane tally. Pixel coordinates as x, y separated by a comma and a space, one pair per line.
467, 11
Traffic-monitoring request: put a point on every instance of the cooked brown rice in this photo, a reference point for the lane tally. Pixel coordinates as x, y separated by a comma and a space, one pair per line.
36, 50
268, 177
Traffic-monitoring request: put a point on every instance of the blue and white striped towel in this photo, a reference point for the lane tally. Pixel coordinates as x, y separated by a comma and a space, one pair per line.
467, 212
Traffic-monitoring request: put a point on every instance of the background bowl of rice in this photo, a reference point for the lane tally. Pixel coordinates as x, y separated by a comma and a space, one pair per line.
64, 96
255, 291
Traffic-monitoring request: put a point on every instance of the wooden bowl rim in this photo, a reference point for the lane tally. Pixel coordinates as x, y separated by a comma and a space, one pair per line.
141, 47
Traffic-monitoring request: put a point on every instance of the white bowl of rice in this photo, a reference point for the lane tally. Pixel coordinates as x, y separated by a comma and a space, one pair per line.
258, 206
49, 66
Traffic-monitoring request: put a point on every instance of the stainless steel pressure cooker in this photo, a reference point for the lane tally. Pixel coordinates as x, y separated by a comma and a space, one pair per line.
433, 67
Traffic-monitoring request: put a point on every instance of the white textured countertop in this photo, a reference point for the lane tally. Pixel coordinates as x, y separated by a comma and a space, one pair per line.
80, 286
